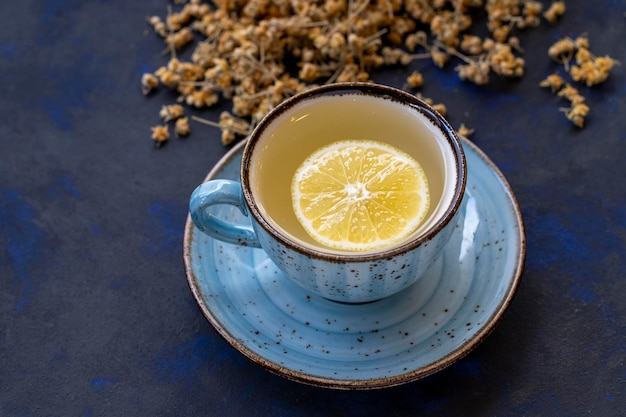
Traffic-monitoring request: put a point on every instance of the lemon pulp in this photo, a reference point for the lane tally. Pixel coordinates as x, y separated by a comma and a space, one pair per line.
360, 195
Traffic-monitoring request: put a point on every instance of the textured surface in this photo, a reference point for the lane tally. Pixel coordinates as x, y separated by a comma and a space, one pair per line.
96, 317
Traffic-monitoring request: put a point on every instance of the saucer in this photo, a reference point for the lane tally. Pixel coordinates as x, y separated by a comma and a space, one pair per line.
412, 334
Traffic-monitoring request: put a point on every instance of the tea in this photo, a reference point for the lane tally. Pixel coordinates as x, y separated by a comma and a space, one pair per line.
293, 131
310, 124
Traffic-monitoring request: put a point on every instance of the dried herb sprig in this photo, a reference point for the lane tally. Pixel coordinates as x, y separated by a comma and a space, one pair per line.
241, 48
582, 66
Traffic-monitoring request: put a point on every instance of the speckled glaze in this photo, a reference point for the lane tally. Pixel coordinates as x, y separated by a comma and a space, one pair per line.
404, 337
345, 277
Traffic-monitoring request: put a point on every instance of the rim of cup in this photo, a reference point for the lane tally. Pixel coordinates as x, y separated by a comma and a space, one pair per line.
373, 90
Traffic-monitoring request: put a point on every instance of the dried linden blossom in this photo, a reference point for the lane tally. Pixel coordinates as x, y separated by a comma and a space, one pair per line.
465, 131
240, 48
160, 134
148, 83
181, 126
171, 112
587, 69
555, 11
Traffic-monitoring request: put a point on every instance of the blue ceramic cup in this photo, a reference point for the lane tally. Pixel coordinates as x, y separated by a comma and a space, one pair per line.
283, 139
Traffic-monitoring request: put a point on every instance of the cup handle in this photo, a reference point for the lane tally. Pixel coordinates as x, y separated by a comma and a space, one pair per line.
216, 192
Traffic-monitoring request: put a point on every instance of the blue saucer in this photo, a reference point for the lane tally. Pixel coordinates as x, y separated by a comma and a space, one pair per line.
410, 335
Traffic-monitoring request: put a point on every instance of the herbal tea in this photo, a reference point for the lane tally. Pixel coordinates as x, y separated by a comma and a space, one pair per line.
314, 123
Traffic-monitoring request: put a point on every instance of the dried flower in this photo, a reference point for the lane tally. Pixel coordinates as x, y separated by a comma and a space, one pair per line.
181, 127
441, 108
503, 62
415, 80
554, 81
160, 134
589, 69
439, 57
203, 97
555, 11
167, 77
464, 131
158, 25
578, 110
593, 71
475, 71
148, 83
472, 44
243, 50
177, 40
530, 14
577, 113
562, 50
171, 112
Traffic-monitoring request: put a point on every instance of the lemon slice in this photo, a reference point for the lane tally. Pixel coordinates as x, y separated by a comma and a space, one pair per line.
360, 195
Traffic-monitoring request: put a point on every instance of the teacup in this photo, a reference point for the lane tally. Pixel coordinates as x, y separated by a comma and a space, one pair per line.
294, 130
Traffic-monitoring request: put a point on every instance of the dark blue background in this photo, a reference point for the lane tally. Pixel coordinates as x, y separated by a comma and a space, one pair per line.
96, 318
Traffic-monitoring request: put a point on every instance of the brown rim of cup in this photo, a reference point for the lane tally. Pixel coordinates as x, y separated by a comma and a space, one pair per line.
378, 90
